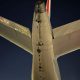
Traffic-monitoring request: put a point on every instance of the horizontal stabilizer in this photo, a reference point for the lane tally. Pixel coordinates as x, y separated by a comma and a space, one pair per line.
66, 38
16, 34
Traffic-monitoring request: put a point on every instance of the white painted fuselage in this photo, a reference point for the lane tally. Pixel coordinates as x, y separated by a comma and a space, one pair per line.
43, 66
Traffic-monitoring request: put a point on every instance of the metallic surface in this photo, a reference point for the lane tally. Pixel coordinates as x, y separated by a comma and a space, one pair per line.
16, 33
66, 38
46, 45
42, 44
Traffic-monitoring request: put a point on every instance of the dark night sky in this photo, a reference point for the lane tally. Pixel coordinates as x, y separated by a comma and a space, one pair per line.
15, 63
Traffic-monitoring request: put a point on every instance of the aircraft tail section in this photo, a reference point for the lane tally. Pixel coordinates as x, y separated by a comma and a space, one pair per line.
48, 7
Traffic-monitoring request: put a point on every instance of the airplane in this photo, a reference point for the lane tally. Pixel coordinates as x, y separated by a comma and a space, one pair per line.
44, 43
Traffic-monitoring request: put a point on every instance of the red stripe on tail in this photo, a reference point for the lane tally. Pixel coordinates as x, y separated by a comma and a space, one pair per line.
48, 7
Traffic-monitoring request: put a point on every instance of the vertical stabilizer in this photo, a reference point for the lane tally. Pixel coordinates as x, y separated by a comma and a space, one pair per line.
48, 7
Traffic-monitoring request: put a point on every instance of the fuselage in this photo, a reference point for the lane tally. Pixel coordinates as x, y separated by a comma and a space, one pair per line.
43, 67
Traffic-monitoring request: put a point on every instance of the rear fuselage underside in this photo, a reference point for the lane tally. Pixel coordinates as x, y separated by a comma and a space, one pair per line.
43, 67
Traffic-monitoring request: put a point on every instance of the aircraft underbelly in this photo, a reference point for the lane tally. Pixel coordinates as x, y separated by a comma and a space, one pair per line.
43, 67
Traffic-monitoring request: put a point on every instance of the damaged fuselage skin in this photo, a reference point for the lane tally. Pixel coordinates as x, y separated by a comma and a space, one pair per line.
43, 66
